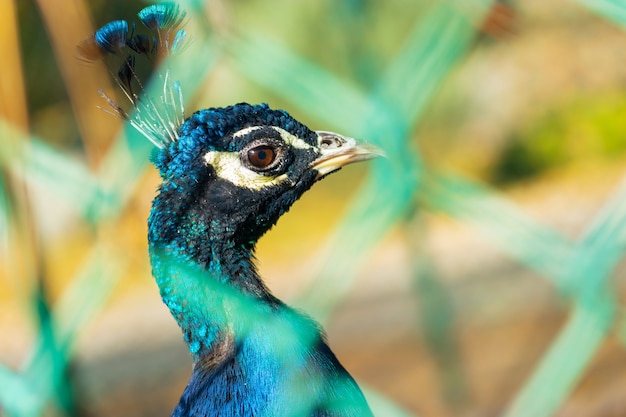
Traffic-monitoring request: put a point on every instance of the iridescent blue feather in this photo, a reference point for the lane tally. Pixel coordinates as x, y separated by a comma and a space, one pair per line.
162, 16
113, 36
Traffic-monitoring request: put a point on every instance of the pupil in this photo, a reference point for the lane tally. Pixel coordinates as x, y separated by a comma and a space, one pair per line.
262, 155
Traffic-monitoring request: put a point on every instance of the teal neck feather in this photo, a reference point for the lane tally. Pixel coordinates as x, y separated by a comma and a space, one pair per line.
210, 302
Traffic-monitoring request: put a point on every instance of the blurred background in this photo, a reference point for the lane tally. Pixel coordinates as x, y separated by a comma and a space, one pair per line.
477, 271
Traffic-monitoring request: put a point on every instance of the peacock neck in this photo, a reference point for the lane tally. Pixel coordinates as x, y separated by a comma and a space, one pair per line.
203, 265
211, 300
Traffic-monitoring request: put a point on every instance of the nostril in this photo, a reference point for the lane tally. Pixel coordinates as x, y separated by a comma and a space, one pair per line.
329, 141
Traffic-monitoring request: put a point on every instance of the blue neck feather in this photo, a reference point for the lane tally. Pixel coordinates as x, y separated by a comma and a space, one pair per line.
213, 298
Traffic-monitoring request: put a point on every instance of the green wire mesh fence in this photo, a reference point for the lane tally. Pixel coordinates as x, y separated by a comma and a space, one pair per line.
384, 108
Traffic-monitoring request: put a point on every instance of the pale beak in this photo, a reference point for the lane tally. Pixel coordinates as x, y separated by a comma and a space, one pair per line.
338, 151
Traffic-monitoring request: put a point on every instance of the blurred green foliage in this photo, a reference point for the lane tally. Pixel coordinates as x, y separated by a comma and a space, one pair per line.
582, 129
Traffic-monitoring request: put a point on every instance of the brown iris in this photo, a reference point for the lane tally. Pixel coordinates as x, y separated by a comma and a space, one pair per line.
261, 156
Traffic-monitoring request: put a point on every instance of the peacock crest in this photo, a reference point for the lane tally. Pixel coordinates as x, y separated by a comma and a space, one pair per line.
120, 45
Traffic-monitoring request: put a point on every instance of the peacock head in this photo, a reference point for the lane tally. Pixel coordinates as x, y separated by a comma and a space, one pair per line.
234, 171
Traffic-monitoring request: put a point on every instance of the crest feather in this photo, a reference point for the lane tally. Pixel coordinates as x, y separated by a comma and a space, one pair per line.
157, 118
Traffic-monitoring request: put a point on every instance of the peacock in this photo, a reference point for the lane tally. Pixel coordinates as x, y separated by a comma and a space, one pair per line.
228, 174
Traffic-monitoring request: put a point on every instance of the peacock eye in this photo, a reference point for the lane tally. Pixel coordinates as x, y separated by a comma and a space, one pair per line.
261, 156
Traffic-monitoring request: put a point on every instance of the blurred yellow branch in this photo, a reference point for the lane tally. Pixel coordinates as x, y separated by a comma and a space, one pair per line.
12, 93
19, 258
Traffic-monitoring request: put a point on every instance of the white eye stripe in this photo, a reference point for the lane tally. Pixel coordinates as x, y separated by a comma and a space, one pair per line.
293, 141
288, 138
228, 166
